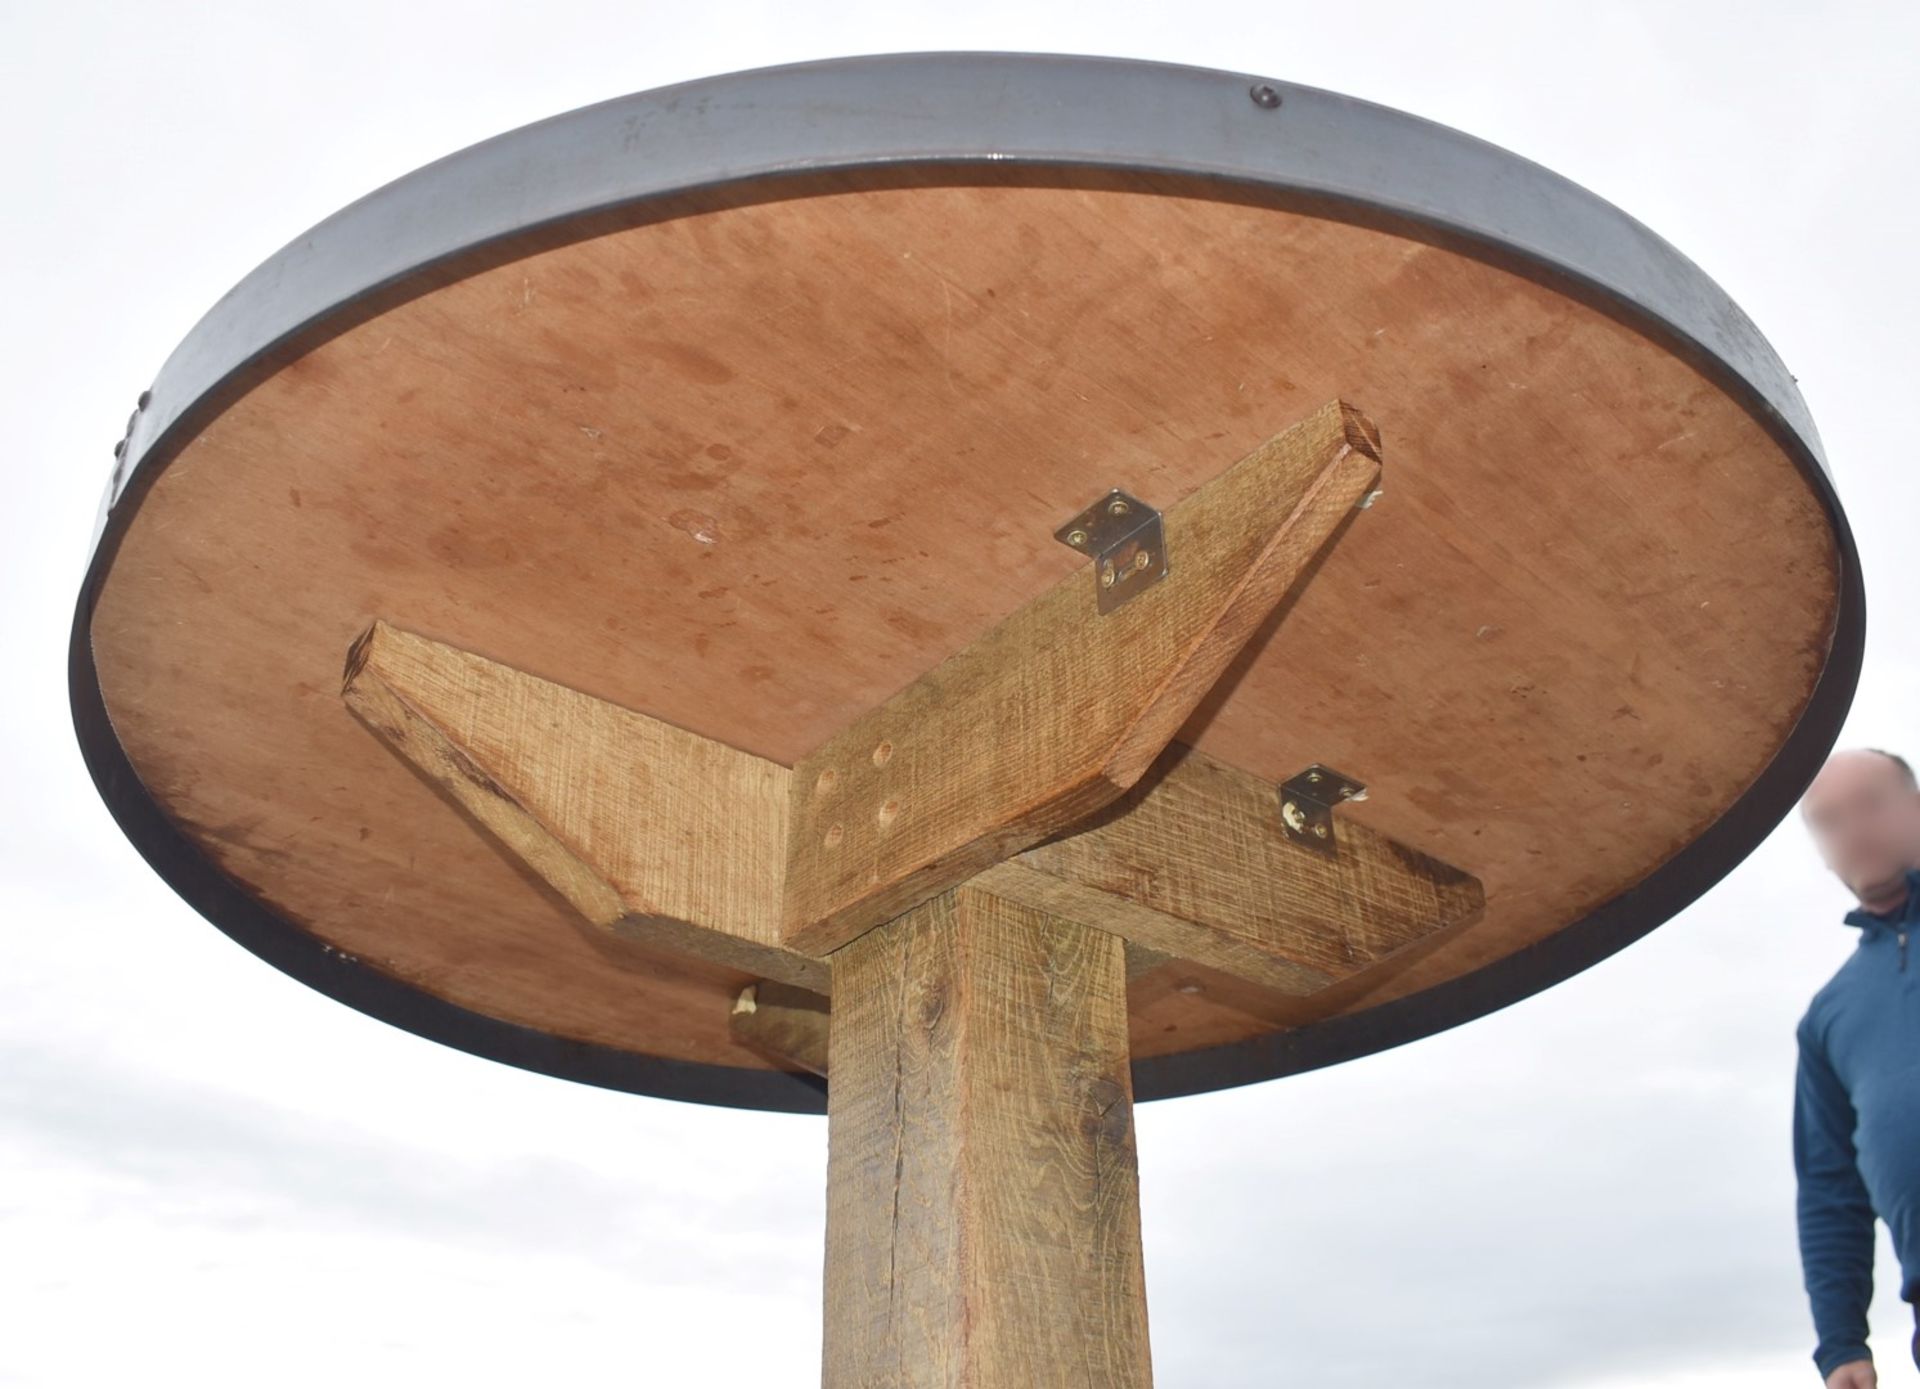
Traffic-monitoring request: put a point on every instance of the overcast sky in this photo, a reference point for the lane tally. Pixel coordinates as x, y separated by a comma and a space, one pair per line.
210, 1174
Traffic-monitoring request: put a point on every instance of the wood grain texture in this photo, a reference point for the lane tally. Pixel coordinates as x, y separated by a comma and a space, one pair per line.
1060, 708
1193, 863
753, 469
983, 1220
672, 839
650, 831
789, 1025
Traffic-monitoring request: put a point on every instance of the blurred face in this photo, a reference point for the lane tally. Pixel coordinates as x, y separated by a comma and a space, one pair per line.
1865, 820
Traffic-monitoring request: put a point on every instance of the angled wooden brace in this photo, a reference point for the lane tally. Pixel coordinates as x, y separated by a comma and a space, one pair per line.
664, 836
651, 832
1059, 709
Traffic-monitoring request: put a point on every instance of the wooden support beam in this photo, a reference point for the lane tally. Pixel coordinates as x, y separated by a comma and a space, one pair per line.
1193, 863
784, 1023
661, 835
791, 1025
650, 831
1059, 709
983, 1221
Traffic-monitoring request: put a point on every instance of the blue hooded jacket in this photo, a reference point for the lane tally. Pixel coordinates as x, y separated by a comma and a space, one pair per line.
1856, 1126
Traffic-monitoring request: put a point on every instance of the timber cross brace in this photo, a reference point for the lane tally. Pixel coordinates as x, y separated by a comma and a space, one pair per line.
972, 871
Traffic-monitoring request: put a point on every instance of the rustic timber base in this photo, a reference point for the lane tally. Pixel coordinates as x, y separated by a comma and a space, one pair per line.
983, 1213
944, 904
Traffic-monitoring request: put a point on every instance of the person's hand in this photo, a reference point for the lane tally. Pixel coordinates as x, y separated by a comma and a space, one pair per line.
1855, 1374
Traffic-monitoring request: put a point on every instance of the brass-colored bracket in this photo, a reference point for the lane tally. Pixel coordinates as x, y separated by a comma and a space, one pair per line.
1307, 800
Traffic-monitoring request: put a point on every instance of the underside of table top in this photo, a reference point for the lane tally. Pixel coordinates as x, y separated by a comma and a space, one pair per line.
749, 455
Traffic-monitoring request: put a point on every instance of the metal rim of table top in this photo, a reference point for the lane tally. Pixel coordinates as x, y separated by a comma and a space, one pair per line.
953, 116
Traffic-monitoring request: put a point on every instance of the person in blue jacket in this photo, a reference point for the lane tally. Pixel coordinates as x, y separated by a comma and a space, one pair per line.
1856, 1107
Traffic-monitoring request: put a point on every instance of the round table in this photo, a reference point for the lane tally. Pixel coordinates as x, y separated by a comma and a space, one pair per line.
508, 599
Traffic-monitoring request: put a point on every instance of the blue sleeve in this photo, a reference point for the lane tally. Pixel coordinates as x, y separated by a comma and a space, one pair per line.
1834, 1215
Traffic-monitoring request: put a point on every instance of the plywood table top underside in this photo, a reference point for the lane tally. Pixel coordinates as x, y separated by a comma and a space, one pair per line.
752, 469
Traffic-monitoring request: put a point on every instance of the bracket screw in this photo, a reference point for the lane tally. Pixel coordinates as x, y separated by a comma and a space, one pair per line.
1264, 96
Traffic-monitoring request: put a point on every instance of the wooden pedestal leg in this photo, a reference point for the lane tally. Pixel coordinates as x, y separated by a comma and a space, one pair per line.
962, 868
983, 1220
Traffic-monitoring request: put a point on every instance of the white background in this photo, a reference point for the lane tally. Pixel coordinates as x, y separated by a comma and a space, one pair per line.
209, 1174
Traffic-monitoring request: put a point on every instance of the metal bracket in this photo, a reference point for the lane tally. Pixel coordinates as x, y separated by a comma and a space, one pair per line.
1307, 800
1124, 536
